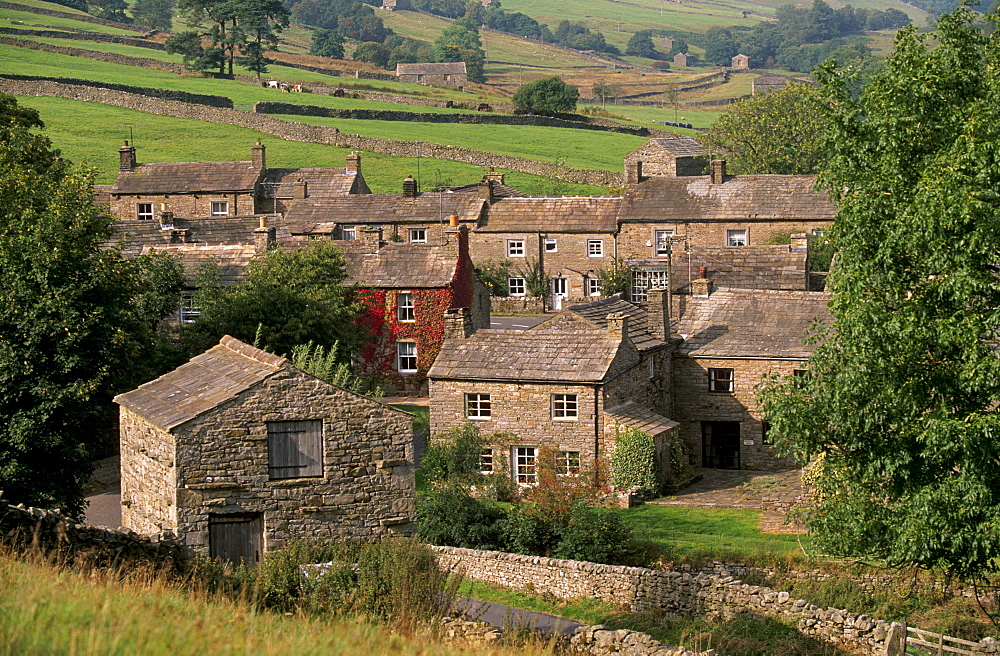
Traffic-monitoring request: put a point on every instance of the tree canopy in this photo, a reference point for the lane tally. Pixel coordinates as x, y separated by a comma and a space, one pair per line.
548, 95
902, 398
460, 43
76, 322
778, 132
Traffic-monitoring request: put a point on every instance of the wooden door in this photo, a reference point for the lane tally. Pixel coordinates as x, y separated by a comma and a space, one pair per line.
237, 539
720, 444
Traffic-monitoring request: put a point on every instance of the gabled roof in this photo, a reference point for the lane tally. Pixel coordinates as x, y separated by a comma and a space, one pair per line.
398, 265
205, 382
382, 209
678, 145
597, 314
755, 323
187, 177
644, 419
320, 182
740, 197
585, 214
584, 355
497, 189
233, 260
439, 68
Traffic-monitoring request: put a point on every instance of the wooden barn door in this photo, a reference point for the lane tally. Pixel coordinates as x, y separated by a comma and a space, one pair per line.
237, 539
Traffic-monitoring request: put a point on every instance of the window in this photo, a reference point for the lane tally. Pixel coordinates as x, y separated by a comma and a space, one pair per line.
595, 248
220, 208
551, 246
406, 357
765, 434
348, 232
418, 235
515, 248
515, 286
478, 406
188, 310
564, 406
644, 279
720, 380
593, 287
568, 463
736, 237
559, 287
144, 211
294, 449
486, 461
404, 307
524, 465
661, 242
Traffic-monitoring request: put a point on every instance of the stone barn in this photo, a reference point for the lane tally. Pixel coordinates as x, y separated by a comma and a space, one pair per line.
740, 62
435, 74
683, 59
666, 157
237, 452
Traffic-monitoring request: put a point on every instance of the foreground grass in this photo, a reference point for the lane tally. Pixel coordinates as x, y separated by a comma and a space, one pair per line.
48, 611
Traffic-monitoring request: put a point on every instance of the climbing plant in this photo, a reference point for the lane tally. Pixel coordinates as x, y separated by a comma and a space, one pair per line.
633, 463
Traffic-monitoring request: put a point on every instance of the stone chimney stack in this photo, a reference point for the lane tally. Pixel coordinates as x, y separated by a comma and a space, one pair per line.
493, 176
701, 288
617, 326
263, 237
457, 323
372, 238
718, 171
658, 319
486, 190
633, 172
409, 187
127, 156
799, 243
354, 162
258, 160
299, 189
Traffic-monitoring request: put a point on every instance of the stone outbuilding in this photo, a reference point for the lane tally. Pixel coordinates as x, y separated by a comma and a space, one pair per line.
740, 62
767, 83
436, 74
237, 452
666, 157
684, 59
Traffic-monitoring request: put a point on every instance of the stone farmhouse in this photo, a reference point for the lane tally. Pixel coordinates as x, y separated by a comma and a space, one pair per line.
237, 452
436, 74
567, 384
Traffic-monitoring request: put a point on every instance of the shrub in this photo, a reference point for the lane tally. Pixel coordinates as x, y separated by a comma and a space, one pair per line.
548, 95
598, 535
495, 275
634, 460
450, 517
454, 457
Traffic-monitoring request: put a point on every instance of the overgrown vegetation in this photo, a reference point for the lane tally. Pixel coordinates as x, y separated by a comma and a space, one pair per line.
634, 462
325, 364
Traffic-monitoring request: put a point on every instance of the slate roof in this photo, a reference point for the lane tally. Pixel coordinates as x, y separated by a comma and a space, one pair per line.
399, 265
102, 194
320, 182
532, 355
440, 68
679, 146
740, 197
584, 214
644, 419
597, 313
758, 323
187, 177
203, 383
233, 259
323, 213
497, 189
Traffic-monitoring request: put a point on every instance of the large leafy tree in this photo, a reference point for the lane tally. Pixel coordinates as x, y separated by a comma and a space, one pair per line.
461, 43
774, 133
902, 402
154, 14
548, 95
76, 321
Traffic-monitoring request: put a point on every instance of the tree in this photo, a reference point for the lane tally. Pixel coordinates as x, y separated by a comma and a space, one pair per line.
327, 43
260, 22
197, 57
154, 14
289, 297
775, 133
459, 43
549, 95
902, 395
641, 45
603, 90
75, 320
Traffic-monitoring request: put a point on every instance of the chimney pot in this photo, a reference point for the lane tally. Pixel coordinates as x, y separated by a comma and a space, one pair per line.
126, 155
263, 238
453, 221
703, 272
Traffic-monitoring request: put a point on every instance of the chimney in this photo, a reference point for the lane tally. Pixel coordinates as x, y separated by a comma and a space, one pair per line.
658, 319
799, 243
409, 187
127, 156
457, 323
166, 217
258, 161
633, 172
299, 189
617, 326
493, 176
486, 190
718, 171
263, 237
354, 162
701, 288
372, 238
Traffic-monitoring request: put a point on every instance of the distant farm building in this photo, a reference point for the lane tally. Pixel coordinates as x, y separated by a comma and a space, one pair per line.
741, 62
683, 59
442, 74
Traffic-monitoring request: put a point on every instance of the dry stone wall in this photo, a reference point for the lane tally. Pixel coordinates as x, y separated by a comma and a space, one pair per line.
80, 35
166, 94
110, 57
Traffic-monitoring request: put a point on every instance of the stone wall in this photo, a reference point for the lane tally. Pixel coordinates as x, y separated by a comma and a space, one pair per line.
679, 593
148, 476
189, 205
166, 94
111, 57
712, 232
80, 35
309, 133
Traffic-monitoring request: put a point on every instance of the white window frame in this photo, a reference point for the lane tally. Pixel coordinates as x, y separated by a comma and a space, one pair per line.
595, 248
738, 237
661, 242
486, 464
525, 465
418, 235
406, 354
521, 286
478, 406
348, 232
188, 312
565, 407
593, 287
142, 213
219, 208
405, 309
645, 279
567, 463
515, 248
560, 286
722, 380
551, 245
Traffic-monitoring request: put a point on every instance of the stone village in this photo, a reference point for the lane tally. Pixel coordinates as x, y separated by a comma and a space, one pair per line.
236, 452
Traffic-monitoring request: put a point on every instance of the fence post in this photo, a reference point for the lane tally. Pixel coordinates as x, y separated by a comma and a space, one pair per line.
895, 641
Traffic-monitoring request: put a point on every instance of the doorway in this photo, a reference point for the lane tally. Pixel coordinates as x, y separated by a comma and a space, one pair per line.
720, 444
236, 538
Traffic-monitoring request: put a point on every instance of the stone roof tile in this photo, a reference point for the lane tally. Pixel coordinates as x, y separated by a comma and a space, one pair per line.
233, 260
563, 214
187, 177
636, 416
385, 209
400, 265
320, 182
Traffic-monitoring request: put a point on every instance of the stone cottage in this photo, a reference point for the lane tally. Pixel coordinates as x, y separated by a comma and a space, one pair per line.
237, 452
436, 74
732, 338
567, 384
666, 157
740, 62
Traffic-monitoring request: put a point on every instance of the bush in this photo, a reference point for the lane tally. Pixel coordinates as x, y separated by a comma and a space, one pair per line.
634, 460
454, 457
450, 517
598, 535
549, 95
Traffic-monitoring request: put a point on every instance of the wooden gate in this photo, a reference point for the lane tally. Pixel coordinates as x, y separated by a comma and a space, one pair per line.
236, 538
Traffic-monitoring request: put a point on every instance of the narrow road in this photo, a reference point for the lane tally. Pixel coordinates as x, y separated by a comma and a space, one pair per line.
507, 618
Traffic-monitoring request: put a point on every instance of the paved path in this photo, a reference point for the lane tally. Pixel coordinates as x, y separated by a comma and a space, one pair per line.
508, 618
104, 508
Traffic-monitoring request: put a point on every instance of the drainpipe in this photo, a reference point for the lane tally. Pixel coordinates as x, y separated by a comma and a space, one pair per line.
597, 436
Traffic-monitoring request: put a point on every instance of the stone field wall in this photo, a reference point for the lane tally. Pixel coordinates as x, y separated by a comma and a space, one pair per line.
83, 18
166, 94
85, 36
